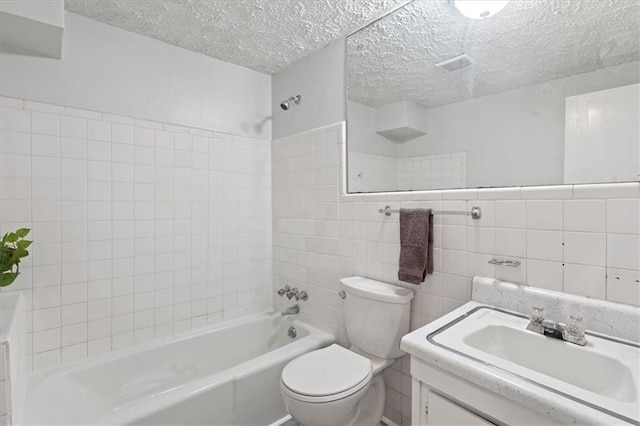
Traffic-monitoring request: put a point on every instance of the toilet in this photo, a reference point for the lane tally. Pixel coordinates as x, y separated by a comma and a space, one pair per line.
339, 386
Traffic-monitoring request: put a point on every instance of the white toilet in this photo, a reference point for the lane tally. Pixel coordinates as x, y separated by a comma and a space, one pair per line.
338, 386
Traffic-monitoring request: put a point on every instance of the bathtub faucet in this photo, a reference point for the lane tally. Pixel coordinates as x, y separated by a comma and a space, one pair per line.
291, 311
293, 293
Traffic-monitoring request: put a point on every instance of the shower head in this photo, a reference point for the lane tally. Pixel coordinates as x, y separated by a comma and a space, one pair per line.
285, 105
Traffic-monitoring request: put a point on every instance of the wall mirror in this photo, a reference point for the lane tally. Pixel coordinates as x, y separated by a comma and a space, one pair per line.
541, 92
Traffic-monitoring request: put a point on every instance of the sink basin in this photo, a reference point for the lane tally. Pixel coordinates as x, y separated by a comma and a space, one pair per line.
604, 374
592, 371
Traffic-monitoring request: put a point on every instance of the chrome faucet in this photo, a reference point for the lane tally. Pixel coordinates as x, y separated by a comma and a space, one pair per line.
291, 310
293, 293
572, 333
284, 290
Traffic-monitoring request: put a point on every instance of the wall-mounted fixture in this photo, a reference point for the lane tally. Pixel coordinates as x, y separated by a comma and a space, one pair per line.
479, 9
285, 105
293, 293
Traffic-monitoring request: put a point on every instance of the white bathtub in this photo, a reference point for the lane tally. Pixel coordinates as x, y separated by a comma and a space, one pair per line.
225, 375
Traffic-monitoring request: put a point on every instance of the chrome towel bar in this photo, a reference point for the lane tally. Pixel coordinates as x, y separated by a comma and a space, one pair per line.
505, 262
475, 213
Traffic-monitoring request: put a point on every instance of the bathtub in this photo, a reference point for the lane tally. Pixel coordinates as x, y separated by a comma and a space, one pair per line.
224, 375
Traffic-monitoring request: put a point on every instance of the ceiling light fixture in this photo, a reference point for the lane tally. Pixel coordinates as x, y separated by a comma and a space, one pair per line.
479, 9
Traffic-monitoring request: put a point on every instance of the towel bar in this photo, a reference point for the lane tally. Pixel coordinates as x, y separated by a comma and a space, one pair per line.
505, 262
475, 213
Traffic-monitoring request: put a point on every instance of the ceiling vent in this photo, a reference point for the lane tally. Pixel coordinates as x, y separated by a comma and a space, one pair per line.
457, 63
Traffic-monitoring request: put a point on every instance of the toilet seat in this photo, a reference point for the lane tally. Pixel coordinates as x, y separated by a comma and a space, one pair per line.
326, 374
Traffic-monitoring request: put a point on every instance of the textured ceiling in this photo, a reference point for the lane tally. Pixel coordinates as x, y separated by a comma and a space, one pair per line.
265, 35
528, 42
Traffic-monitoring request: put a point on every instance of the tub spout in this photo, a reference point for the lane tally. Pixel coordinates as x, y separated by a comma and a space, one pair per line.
291, 311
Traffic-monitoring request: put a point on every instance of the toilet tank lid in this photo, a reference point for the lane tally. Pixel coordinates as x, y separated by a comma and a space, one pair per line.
376, 290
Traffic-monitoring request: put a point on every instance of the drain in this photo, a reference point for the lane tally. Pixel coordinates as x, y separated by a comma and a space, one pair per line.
292, 332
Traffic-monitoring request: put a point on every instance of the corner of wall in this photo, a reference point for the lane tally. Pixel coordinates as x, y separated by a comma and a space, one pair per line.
320, 79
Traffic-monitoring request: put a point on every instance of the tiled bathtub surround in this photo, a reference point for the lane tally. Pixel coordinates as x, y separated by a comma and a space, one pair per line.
582, 239
141, 229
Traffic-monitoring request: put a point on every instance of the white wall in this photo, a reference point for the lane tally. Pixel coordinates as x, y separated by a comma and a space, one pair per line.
33, 27
110, 70
361, 132
50, 12
582, 239
143, 170
442, 171
374, 164
320, 238
602, 136
320, 79
371, 172
141, 229
514, 137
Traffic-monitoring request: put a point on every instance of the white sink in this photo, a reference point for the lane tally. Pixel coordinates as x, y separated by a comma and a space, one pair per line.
604, 374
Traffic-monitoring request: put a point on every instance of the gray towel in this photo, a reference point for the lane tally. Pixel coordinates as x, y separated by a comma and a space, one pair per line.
416, 245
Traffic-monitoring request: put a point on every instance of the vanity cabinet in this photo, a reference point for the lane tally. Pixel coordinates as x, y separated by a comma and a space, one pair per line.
441, 398
441, 411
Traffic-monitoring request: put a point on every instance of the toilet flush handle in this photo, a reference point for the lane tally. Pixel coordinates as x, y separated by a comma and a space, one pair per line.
342, 294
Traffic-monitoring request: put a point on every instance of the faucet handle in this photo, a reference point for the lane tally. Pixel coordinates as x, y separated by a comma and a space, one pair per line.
291, 292
283, 291
536, 315
575, 330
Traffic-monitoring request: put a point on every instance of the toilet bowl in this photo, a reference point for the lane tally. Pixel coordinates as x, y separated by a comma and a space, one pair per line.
330, 386
340, 386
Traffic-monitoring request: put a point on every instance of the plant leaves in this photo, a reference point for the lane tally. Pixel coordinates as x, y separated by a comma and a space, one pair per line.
23, 244
22, 232
13, 247
7, 278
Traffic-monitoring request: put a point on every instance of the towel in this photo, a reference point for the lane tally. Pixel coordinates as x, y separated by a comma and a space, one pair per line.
416, 245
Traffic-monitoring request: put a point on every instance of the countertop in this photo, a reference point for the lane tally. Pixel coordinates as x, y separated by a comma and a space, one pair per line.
498, 381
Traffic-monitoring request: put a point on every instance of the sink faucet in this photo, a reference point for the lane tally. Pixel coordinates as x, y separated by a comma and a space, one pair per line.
572, 333
291, 310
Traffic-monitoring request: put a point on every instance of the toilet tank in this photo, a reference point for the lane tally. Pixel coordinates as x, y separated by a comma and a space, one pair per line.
376, 315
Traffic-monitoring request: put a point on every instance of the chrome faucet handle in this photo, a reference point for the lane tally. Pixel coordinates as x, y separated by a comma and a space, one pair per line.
291, 293
537, 323
574, 332
283, 291
537, 315
302, 295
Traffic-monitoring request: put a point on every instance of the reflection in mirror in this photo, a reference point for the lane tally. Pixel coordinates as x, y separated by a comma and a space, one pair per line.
541, 92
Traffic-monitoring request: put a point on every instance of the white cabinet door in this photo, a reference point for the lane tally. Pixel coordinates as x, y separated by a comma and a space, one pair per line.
444, 412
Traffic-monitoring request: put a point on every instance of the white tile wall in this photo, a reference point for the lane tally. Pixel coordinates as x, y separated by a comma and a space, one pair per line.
141, 229
368, 172
432, 171
587, 244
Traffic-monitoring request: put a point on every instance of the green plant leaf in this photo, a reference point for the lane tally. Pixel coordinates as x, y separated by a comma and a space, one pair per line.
22, 232
23, 244
13, 247
18, 253
8, 278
